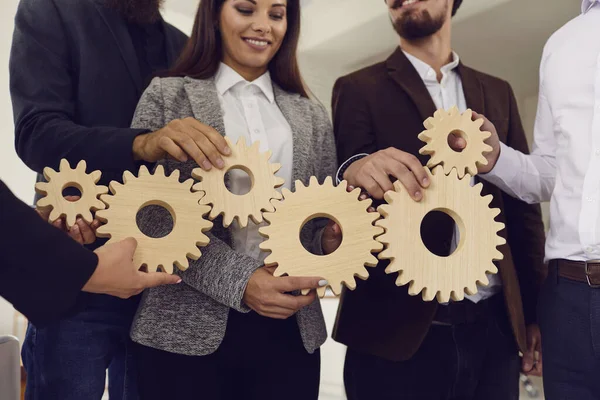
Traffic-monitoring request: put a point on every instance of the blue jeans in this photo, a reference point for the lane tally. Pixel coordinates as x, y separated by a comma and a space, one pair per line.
569, 314
68, 360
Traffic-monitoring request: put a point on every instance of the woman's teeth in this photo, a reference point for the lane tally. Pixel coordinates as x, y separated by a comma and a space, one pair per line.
259, 43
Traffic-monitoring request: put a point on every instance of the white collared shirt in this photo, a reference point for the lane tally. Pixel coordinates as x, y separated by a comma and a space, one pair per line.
564, 166
250, 111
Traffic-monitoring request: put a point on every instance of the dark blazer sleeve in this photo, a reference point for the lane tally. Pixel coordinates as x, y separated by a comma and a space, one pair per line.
42, 270
352, 126
526, 234
44, 106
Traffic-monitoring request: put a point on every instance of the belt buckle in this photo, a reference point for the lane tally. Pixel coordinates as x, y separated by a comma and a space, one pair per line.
587, 273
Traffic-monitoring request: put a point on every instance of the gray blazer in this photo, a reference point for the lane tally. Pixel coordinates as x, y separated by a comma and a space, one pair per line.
191, 318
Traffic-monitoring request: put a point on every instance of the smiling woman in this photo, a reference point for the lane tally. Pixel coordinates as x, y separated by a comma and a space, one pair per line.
233, 324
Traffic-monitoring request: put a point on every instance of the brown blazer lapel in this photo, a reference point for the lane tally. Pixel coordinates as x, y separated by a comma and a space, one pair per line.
472, 88
404, 74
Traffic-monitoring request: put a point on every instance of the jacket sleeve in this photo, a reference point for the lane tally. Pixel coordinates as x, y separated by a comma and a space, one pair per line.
220, 273
42, 87
525, 228
44, 287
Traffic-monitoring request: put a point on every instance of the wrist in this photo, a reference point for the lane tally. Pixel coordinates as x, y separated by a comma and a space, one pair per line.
138, 146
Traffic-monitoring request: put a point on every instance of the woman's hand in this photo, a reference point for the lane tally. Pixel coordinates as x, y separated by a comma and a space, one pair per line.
81, 232
267, 295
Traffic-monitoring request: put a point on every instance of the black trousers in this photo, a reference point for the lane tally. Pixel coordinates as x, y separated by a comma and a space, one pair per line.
569, 314
476, 360
259, 358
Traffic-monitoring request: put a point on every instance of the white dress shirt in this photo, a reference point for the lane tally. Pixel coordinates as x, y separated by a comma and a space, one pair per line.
446, 94
250, 111
564, 166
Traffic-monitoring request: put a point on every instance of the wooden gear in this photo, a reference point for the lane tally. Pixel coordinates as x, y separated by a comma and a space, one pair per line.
67, 177
314, 201
446, 277
241, 207
440, 126
189, 224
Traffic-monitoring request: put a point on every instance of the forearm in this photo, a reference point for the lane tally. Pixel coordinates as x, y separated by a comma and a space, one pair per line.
529, 178
42, 288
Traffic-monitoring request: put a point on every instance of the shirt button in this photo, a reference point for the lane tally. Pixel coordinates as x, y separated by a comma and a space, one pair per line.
590, 199
589, 249
249, 105
256, 131
597, 152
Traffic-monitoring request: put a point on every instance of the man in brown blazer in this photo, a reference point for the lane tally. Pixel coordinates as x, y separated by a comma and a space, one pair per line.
400, 346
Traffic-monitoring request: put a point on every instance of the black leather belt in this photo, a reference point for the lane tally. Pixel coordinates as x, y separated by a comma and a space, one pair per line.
465, 312
580, 271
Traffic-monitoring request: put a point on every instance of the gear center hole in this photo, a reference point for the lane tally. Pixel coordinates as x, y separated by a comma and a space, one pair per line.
308, 231
239, 180
437, 233
72, 189
147, 217
454, 136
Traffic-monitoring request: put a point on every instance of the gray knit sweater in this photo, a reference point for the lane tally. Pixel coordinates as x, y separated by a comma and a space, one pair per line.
190, 318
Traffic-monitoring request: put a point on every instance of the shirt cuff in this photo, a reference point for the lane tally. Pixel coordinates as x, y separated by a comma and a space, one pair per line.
506, 169
340, 173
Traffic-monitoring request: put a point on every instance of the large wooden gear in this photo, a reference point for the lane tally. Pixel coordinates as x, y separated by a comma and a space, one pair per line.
314, 201
444, 277
189, 224
241, 207
68, 177
440, 126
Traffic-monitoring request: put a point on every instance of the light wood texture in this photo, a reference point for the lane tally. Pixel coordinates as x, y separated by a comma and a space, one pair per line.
337, 204
189, 224
68, 177
440, 126
241, 207
446, 277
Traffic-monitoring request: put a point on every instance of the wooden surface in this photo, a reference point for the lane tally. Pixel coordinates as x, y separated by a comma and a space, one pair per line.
68, 177
313, 201
241, 207
189, 224
446, 277
440, 126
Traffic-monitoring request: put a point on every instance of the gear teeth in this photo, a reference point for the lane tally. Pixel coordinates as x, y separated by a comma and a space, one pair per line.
128, 176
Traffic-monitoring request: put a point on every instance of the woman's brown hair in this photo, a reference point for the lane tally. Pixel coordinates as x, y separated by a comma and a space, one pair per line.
204, 50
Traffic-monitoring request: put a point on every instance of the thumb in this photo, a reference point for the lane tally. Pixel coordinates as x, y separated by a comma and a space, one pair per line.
292, 283
128, 246
154, 279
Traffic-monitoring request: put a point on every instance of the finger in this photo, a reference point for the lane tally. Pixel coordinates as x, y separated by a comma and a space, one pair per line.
154, 279
72, 198
75, 234
217, 140
292, 283
456, 142
407, 179
372, 187
87, 233
185, 140
172, 149
95, 225
371, 209
60, 224
350, 188
527, 363
413, 164
209, 150
293, 303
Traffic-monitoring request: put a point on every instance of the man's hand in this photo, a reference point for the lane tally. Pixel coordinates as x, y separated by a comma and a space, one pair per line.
81, 232
117, 276
373, 172
532, 359
266, 294
457, 143
180, 139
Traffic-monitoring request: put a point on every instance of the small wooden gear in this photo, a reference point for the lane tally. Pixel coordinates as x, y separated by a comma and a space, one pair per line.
446, 277
241, 207
337, 204
67, 177
189, 224
440, 126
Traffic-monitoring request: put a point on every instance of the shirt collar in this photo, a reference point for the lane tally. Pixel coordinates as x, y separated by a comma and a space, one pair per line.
586, 5
226, 78
426, 72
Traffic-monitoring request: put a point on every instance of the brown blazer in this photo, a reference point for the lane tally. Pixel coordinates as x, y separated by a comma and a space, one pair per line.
383, 106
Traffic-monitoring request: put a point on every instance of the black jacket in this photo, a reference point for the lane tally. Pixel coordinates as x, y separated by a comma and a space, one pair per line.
42, 291
75, 83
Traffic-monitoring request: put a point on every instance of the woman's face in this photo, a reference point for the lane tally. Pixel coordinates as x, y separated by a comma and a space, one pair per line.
252, 33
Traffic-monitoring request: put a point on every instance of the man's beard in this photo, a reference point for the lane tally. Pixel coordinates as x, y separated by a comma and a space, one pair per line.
412, 26
137, 11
